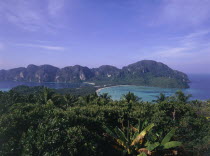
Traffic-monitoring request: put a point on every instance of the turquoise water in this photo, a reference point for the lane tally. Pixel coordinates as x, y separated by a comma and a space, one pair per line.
146, 93
199, 89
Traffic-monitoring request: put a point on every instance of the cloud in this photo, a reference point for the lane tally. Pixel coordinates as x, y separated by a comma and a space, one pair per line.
55, 6
194, 40
190, 47
184, 12
46, 47
169, 53
197, 34
30, 15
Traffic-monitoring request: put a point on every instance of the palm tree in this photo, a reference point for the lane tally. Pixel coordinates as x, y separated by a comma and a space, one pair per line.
45, 95
70, 100
180, 96
130, 97
87, 99
104, 99
162, 97
105, 96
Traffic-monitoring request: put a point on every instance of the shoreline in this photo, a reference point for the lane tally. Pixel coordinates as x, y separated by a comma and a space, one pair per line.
98, 90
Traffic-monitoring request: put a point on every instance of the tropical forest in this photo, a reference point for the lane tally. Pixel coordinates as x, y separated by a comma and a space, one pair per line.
40, 121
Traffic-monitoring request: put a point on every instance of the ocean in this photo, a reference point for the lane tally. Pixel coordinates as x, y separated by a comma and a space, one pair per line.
199, 88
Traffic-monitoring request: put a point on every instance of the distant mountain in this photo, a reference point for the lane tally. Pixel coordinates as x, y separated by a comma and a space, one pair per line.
146, 72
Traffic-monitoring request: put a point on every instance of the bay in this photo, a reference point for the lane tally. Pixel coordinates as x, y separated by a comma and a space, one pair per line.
199, 89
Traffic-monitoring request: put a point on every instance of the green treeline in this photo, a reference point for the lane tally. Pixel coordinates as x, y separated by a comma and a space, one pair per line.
41, 121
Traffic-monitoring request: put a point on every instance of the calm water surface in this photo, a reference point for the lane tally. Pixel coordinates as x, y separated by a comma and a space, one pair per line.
199, 88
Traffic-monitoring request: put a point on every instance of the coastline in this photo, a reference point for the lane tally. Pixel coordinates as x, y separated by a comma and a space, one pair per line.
98, 90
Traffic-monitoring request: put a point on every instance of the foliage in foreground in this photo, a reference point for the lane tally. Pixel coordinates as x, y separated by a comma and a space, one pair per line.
134, 141
48, 123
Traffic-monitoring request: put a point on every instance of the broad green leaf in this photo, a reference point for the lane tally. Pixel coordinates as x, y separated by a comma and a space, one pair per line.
168, 137
147, 143
151, 147
142, 134
109, 132
172, 144
121, 143
121, 135
134, 135
142, 154
134, 129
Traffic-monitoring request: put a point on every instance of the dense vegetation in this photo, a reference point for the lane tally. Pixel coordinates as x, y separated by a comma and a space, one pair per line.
81, 91
146, 72
41, 121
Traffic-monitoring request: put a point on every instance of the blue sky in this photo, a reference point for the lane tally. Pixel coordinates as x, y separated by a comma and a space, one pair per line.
96, 32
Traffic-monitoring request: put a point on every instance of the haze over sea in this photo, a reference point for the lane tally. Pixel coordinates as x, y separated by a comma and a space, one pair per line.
199, 88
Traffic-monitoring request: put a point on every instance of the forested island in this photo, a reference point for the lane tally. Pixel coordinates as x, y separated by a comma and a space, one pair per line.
146, 73
43, 121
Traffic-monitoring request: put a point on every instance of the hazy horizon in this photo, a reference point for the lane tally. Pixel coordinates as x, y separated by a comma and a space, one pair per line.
105, 32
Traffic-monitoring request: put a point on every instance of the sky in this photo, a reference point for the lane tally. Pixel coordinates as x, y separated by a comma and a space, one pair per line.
98, 32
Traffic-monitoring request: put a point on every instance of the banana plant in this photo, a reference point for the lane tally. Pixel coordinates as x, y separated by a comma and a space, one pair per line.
165, 144
132, 141
129, 140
